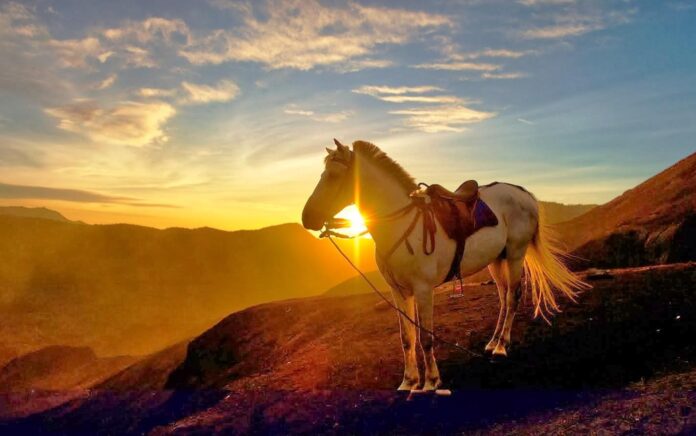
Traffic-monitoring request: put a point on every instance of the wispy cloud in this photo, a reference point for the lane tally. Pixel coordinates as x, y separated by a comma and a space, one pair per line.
305, 34
395, 90
459, 66
503, 75
12, 156
8, 191
525, 121
189, 93
438, 119
545, 2
223, 91
108, 82
444, 113
572, 23
406, 94
127, 123
326, 117
157, 92
560, 30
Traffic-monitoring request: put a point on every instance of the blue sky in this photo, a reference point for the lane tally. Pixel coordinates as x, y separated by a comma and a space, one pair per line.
192, 113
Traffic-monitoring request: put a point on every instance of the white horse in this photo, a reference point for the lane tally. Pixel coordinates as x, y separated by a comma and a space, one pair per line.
377, 185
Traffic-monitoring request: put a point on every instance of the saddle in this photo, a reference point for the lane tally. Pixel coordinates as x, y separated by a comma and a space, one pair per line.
460, 213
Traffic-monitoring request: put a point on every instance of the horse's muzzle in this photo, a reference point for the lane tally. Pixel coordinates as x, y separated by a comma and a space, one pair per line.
311, 219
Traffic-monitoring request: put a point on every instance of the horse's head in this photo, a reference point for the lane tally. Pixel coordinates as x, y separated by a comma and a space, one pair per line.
334, 190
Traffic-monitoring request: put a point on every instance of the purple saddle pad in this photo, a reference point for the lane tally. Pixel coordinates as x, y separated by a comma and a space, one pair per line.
483, 215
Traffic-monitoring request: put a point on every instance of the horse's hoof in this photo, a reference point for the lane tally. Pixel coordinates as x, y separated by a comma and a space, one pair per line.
432, 385
499, 352
408, 385
492, 344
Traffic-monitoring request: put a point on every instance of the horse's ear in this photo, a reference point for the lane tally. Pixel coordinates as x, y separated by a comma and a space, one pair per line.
328, 150
338, 144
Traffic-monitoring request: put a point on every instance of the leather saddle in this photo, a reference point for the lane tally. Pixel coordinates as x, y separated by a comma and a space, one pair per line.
460, 213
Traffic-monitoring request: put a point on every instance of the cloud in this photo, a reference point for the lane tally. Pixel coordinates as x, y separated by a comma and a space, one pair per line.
329, 117
195, 93
438, 119
74, 53
404, 94
395, 90
419, 98
11, 156
458, 66
573, 23
223, 91
525, 121
18, 21
354, 65
447, 113
503, 75
545, 2
560, 30
156, 92
149, 30
8, 191
305, 34
127, 123
108, 82
497, 53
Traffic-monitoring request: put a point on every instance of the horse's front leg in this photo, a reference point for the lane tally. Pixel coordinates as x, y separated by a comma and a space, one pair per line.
424, 302
408, 341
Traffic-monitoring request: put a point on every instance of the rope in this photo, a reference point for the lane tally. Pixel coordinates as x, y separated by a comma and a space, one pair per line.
393, 306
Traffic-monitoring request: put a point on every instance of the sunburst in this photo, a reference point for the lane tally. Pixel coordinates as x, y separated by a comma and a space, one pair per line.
357, 223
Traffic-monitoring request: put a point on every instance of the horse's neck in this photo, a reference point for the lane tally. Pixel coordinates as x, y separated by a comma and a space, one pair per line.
379, 194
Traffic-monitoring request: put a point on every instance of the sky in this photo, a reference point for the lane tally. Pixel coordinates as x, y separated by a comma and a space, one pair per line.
216, 113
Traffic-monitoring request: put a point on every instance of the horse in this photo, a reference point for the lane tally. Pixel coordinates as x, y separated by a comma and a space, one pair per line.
519, 242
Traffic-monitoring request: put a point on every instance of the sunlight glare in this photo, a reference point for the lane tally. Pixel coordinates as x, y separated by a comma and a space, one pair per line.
357, 223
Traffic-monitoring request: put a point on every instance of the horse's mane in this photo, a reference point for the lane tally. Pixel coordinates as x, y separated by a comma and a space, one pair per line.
380, 158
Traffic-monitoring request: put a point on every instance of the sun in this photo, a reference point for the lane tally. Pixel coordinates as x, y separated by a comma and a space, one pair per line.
357, 223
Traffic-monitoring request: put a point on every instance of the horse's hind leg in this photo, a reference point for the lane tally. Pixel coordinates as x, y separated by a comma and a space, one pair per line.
512, 300
424, 303
496, 270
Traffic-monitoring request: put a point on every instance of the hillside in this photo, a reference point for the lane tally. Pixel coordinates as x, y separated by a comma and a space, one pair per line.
655, 222
124, 289
59, 368
357, 285
32, 212
322, 365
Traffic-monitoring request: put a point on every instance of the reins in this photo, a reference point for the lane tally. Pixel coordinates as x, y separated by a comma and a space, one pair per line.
328, 233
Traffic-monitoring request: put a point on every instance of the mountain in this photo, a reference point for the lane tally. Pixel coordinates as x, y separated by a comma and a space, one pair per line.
125, 289
32, 212
655, 222
555, 213
330, 365
59, 368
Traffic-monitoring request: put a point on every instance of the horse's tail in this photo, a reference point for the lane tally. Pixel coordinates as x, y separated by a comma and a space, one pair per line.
545, 271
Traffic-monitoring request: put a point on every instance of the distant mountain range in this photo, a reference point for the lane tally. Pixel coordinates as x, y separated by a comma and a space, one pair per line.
125, 289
